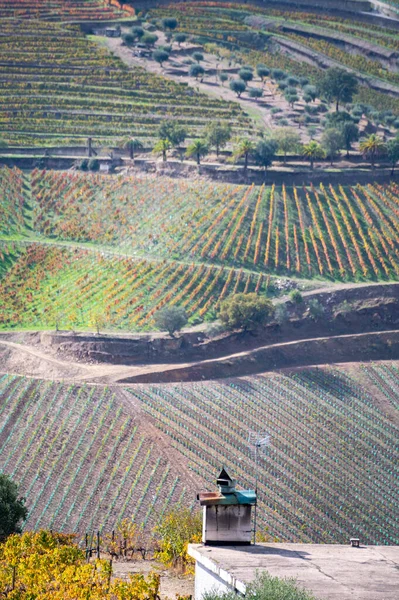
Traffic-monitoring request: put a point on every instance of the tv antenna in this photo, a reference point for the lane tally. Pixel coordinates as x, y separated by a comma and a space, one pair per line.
258, 442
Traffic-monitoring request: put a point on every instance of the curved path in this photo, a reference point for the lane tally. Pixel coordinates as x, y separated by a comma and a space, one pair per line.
340, 348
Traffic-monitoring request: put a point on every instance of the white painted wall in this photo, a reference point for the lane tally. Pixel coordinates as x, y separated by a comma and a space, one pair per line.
206, 581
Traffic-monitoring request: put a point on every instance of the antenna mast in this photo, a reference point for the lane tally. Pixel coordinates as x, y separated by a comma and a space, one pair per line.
258, 442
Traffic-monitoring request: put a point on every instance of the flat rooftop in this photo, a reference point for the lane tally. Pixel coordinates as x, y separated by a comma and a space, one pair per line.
330, 571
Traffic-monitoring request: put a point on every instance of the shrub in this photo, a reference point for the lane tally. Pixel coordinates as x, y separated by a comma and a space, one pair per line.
296, 297
84, 164
316, 309
178, 528
129, 39
137, 32
246, 311
169, 23
93, 164
278, 74
255, 93
281, 314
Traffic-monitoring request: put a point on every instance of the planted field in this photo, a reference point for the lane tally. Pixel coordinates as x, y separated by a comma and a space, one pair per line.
80, 458
58, 88
85, 458
331, 471
331, 232
254, 34
79, 248
56, 287
66, 10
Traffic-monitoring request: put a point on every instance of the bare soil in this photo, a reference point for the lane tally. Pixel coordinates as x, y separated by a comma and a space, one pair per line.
172, 582
369, 331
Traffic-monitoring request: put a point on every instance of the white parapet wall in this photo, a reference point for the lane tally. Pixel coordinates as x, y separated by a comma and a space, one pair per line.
210, 577
329, 571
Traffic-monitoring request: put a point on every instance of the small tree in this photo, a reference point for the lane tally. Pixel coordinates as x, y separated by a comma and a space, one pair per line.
262, 71
174, 133
332, 142
171, 319
161, 147
160, 56
265, 152
244, 148
97, 320
338, 85
278, 74
196, 71
128, 39
255, 93
288, 140
217, 135
372, 148
246, 311
238, 86
223, 77
149, 39
311, 91
350, 134
197, 148
137, 32
246, 75
313, 151
198, 56
12, 507
392, 149
170, 23
180, 38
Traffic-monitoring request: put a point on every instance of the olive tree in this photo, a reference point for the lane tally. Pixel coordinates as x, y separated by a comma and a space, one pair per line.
171, 319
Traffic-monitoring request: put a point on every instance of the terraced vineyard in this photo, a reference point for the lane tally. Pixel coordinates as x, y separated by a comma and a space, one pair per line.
58, 88
77, 248
81, 10
331, 471
366, 47
80, 457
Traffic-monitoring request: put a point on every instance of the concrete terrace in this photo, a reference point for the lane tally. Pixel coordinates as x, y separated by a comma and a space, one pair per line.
330, 571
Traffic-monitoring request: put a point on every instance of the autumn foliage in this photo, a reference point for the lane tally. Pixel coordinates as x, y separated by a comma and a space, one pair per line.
48, 566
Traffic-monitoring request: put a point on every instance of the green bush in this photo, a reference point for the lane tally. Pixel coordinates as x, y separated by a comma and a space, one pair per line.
296, 297
246, 311
266, 587
93, 164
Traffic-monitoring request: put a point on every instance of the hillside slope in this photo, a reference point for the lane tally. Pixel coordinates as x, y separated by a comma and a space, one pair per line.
86, 456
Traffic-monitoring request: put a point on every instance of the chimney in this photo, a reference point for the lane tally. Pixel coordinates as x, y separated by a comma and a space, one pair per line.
227, 513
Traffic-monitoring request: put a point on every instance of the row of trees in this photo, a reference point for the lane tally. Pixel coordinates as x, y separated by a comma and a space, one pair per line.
339, 135
241, 311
